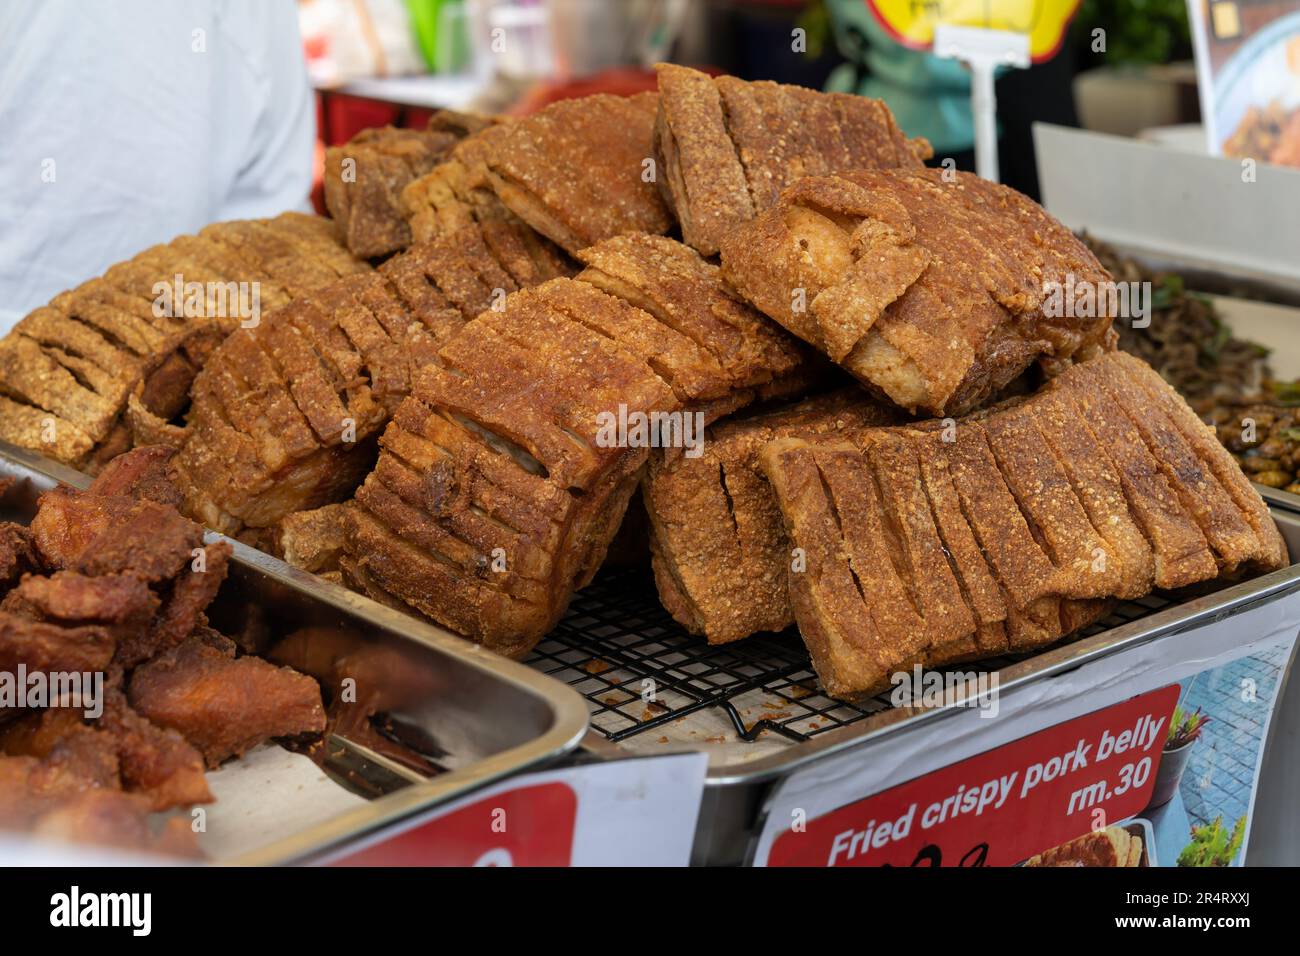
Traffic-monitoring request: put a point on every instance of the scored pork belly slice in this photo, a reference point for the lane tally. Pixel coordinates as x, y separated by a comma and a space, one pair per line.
718, 547
576, 170
222, 704
689, 301
365, 197
480, 474
927, 545
494, 498
68, 369
726, 147
452, 207
935, 293
285, 415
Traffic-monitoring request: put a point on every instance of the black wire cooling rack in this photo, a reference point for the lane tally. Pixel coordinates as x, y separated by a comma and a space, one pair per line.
617, 642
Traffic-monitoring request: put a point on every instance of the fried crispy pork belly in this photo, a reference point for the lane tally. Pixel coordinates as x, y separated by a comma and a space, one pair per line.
222, 704
704, 341
934, 293
453, 210
726, 148
313, 540
493, 498
720, 553
365, 177
68, 368
576, 170
1012, 529
285, 415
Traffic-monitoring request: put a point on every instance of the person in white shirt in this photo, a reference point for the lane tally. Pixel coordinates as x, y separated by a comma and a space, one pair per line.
128, 123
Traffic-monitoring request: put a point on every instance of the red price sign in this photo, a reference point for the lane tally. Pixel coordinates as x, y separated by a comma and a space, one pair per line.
530, 826
1003, 806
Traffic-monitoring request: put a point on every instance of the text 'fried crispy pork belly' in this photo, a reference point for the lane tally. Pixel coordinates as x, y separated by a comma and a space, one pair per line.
726, 148
68, 368
364, 178
719, 550
1012, 529
934, 292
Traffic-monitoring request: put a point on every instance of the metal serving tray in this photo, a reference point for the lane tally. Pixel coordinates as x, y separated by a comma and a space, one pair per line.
488, 716
616, 637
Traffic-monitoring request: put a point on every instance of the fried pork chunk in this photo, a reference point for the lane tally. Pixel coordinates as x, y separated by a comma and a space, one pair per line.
934, 293
1012, 529
129, 581
718, 547
313, 540
68, 369
17, 553
44, 799
365, 177
42, 646
62, 779
726, 148
223, 704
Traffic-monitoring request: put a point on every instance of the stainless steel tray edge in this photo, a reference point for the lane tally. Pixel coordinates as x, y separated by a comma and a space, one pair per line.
569, 726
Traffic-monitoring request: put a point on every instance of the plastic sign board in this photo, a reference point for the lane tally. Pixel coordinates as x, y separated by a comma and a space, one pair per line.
1248, 71
912, 24
634, 812
1079, 768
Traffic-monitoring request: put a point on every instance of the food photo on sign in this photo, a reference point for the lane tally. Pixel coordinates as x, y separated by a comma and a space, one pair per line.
666, 433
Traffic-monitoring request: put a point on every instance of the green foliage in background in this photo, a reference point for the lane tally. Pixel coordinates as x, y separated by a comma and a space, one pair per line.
1212, 845
1185, 728
1137, 31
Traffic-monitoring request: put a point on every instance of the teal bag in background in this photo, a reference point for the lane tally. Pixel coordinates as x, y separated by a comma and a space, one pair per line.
929, 95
